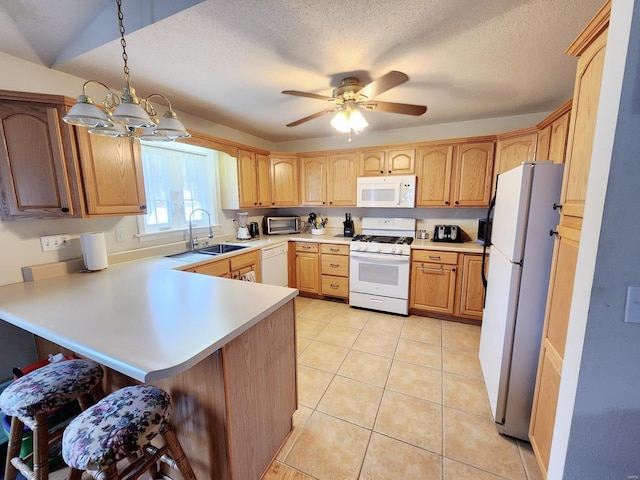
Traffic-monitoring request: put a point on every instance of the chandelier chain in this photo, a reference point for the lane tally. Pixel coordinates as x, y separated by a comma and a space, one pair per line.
123, 42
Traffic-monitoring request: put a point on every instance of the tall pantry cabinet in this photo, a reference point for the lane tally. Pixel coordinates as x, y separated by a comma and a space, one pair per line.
590, 47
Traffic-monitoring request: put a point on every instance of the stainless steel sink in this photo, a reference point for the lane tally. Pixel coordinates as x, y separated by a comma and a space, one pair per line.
216, 249
219, 249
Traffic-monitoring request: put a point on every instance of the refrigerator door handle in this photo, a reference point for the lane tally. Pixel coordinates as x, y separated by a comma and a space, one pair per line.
484, 248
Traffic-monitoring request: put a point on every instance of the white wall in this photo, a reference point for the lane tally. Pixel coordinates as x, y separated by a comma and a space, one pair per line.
596, 432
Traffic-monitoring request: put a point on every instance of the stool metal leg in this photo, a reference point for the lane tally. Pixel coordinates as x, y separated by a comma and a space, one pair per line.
13, 447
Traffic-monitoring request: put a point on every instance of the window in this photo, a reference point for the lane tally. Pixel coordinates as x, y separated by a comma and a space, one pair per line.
179, 181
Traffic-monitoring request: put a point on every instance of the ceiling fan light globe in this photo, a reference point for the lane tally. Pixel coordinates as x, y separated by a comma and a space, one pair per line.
357, 121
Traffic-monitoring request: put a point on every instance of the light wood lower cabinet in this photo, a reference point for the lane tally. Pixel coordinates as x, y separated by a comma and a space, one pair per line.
234, 267
335, 270
447, 283
321, 269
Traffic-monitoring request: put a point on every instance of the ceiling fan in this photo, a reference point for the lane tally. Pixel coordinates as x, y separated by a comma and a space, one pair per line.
351, 95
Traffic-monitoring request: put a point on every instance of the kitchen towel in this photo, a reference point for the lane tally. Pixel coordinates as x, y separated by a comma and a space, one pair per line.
248, 277
94, 251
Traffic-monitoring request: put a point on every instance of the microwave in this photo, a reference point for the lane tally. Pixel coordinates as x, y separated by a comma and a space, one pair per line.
484, 231
393, 191
280, 225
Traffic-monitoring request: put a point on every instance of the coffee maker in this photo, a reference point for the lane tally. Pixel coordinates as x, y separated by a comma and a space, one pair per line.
348, 226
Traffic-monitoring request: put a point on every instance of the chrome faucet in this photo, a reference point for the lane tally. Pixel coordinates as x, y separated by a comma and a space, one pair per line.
193, 241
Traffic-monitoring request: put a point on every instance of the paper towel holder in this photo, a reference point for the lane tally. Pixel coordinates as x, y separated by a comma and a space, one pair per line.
94, 251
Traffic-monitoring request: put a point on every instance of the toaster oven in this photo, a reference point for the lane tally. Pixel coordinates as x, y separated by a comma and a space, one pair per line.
280, 225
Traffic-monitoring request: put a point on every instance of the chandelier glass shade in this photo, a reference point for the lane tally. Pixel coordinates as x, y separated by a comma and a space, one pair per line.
126, 115
349, 119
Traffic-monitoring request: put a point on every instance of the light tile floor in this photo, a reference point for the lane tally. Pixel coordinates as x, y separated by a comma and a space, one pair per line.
391, 397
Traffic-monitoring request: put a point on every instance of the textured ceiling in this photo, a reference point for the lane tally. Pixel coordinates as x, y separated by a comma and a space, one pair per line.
228, 61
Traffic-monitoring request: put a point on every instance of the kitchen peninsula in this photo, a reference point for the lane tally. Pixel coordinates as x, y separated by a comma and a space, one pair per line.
223, 349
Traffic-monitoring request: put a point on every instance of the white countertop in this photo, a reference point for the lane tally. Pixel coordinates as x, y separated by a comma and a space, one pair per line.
141, 318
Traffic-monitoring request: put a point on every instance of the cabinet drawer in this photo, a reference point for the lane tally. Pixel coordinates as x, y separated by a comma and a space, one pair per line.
434, 256
335, 249
335, 286
216, 269
337, 265
246, 259
307, 247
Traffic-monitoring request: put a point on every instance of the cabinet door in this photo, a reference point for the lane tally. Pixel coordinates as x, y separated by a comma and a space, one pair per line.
371, 163
434, 167
34, 151
543, 143
512, 152
112, 175
284, 181
219, 268
401, 162
313, 180
263, 165
247, 179
472, 179
307, 272
433, 287
246, 262
341, 180
471, 296
558, 140
554, 335
583, 122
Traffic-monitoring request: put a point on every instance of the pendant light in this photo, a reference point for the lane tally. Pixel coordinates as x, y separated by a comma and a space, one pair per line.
125, 116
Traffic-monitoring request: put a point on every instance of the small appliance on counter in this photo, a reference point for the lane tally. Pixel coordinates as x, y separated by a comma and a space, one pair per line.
348, 226
243, 231
447, 233
254, 230
281, 225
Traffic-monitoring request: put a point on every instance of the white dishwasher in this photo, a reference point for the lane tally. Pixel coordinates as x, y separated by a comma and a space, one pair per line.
274, 265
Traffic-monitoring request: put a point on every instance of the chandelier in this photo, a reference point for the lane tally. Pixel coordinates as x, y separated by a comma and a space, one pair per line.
349, 119
126, 115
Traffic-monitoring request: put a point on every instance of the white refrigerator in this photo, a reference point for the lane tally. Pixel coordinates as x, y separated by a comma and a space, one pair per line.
518, 278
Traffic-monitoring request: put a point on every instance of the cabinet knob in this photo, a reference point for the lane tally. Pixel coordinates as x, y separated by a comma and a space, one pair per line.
390, 171
557, 206
457, 202
446, 202
143, 207
552, 233
65, 209
453, 269
381, 171
255, 203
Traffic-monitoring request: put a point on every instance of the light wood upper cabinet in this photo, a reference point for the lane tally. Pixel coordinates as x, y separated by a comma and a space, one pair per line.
112, 175
341, 180
582, 127
434, 166
284, 180
328, 180
313, 180
472, 176
36, 162
552, 135
373, 163
514, 148
254, 182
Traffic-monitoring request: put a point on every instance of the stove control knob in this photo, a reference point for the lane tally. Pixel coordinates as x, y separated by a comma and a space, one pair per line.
397, 251
376, 249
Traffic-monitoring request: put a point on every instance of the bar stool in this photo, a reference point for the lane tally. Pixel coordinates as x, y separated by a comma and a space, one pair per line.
30, 399
120, 426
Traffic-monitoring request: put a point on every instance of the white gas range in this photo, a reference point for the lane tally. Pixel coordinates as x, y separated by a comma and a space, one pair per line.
380, 264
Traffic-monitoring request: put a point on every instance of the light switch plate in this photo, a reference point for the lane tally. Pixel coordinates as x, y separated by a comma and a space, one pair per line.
54, 242
632, 307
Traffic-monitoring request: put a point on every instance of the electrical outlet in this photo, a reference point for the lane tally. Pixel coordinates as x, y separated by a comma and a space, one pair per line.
54, 242
120, 235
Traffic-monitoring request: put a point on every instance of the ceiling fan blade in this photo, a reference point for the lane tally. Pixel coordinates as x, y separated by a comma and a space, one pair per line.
306, 94
404, 108
382, 84
311, 117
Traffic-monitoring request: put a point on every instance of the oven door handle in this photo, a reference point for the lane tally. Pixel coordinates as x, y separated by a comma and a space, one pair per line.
386, 258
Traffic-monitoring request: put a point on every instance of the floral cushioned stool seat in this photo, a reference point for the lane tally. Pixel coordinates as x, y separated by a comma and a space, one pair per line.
30, 399
120, 425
